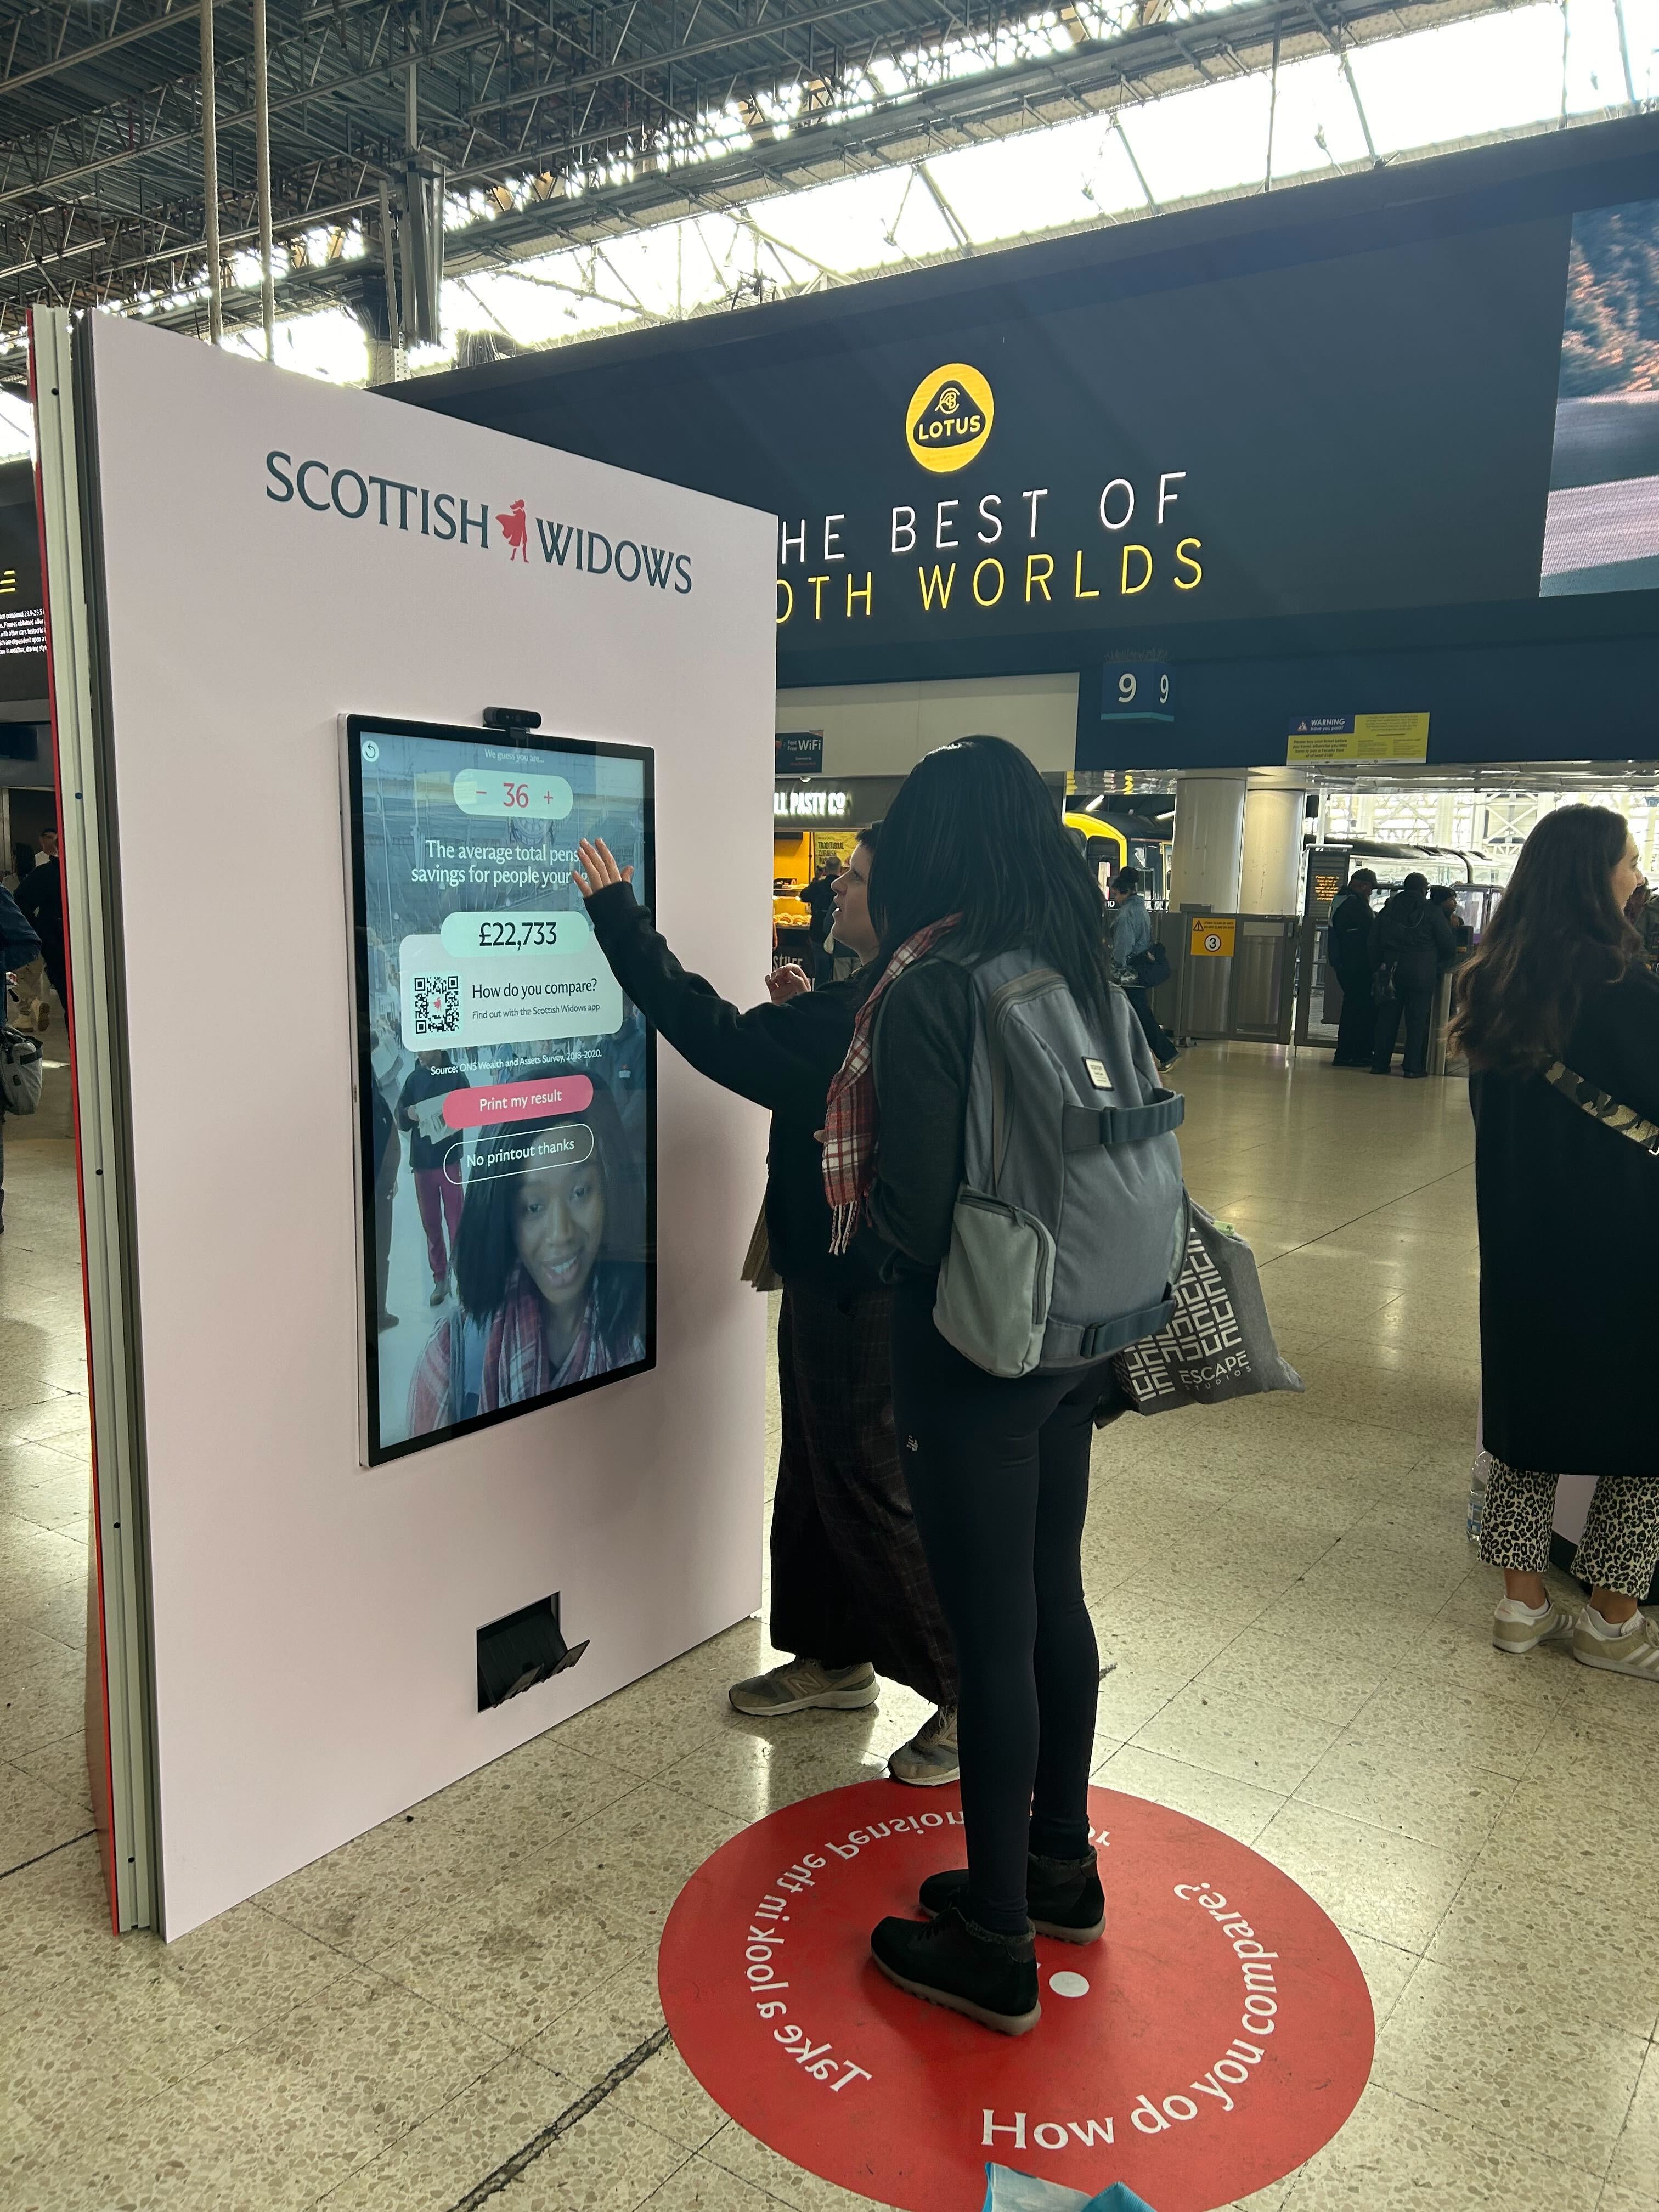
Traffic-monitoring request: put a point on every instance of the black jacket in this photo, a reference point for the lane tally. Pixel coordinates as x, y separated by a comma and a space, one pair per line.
783, 1057
40, 899
1417, 939
1569, 1211
820, 897
19, 944
1350, 941
924, 1057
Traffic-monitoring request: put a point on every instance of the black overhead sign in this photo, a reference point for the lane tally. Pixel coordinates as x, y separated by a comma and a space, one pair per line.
1322, 420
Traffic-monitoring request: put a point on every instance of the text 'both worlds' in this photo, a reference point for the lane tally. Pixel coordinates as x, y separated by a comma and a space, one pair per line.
449, 518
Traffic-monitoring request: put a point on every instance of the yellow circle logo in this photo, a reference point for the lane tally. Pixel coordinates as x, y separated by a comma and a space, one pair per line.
949, 419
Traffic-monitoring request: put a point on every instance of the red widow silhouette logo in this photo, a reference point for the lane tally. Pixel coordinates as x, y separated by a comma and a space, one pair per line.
515, 528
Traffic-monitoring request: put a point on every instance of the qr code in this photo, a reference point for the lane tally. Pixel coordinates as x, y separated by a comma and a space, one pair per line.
437, 1005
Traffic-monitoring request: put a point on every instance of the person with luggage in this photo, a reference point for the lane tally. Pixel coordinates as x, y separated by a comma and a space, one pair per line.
1131, 944
1412, 948
18, 945
851, 1594
40, 901
1559, 1019
992, 939
1348, 950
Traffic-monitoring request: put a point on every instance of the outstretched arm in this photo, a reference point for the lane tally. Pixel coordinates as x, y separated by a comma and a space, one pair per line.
780, 1056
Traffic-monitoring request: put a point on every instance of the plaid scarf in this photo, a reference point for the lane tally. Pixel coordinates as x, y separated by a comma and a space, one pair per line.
516, 1365
849, 1129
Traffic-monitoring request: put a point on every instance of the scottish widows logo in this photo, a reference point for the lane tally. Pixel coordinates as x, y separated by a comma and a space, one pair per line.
949, 419
416, 510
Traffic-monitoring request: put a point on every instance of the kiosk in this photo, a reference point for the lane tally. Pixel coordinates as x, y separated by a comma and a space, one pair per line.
308, 1616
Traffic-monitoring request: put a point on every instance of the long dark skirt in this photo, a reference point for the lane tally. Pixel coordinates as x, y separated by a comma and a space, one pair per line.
849, 1581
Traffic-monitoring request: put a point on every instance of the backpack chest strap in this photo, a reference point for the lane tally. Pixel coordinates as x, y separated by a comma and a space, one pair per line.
1082, 1128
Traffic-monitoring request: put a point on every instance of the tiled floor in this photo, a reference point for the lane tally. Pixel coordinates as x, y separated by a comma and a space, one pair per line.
1303, 1659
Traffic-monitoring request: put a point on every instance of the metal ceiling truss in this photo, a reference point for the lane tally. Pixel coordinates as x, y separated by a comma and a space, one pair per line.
580, 124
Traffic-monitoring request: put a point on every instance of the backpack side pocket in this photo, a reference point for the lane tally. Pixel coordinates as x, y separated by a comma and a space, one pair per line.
995, 1285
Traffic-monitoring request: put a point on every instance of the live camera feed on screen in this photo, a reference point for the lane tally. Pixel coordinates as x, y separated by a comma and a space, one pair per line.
1602, 531
507, 1086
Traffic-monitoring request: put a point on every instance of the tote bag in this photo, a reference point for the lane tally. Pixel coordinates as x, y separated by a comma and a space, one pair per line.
1218, 1343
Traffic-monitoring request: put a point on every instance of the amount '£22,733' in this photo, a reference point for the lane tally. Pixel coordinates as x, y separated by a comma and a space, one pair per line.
518, 936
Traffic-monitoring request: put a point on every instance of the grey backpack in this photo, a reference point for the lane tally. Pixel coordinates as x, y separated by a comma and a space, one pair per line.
1071, 1223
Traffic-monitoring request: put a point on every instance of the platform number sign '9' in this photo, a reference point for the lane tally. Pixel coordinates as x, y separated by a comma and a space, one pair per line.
1137, 691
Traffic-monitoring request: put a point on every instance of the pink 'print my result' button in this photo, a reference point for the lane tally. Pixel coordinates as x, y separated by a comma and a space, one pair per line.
516, 1102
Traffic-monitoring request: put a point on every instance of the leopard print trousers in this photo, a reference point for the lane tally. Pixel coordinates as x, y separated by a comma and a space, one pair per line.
1621, 1546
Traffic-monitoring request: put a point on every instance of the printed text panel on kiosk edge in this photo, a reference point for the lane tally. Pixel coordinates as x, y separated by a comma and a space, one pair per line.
507, 1125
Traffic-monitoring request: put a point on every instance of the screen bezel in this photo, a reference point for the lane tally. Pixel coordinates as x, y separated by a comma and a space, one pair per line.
353, 729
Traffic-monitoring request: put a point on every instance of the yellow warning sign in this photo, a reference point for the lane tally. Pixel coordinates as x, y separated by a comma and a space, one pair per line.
1212, 936
1358, 737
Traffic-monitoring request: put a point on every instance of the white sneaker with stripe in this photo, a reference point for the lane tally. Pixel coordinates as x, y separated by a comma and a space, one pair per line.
1633, 1649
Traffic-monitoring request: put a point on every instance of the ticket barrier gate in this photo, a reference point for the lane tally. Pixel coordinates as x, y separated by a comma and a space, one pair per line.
1231, 975
1319, 1004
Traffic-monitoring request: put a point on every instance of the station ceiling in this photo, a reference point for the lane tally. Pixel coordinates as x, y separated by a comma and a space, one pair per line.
555, 125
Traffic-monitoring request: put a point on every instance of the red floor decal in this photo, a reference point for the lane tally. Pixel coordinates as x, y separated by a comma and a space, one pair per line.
1216, 2037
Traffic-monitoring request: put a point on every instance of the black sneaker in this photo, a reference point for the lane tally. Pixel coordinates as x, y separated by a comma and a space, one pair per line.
1063, 1897
949, 1961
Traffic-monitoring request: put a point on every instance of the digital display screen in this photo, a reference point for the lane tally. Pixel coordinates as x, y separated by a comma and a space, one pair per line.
23, 609
1603, 532
507, 1143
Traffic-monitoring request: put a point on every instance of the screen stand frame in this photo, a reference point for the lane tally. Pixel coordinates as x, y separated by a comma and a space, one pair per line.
120, 1709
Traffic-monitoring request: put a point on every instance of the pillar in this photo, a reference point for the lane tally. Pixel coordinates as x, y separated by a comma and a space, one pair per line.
1209, 840
1270, 870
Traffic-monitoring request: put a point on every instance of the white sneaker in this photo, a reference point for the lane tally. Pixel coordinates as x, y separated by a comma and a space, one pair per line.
801, 1684
1516, 1627
1632, 1648
930, 1757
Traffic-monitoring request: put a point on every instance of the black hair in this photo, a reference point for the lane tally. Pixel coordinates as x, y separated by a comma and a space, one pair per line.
1558, 935
1415, 886
974, 832
1128, 879
869, 838
486, 1248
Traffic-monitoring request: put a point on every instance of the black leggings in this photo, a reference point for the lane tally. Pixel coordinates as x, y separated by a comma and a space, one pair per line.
998, 1477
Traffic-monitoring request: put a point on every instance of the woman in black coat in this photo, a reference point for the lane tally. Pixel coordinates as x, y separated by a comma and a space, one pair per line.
851, 1592
1559, 1022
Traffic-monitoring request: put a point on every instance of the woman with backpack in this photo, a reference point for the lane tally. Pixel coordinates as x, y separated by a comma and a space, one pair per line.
1559, 1020
976, 884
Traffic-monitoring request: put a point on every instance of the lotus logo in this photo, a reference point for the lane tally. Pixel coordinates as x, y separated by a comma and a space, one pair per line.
949, 419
